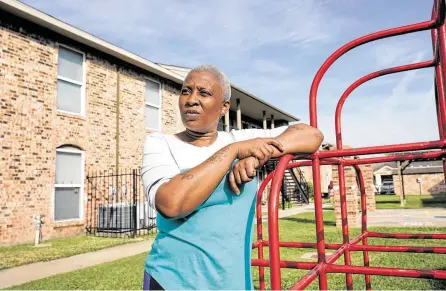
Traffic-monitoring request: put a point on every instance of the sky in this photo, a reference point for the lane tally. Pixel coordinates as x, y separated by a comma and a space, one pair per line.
273, 49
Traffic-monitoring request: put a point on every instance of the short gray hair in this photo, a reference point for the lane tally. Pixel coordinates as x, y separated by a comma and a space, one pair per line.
219, 75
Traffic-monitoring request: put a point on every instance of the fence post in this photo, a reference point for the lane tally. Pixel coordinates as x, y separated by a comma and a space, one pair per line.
134, 187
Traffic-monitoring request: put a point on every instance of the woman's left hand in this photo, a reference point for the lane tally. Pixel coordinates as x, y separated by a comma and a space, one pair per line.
243, 171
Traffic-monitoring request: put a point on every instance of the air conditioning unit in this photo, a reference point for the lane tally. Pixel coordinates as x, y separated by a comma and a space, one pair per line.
119, 217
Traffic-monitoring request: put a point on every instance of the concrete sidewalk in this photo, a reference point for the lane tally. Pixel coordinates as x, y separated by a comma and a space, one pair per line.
424, 217
296, 210
31, 272
36, 271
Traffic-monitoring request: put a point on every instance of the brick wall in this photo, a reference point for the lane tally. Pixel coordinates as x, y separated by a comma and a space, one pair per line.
353, 193
430, 184
32, 128
351, 196
367, 173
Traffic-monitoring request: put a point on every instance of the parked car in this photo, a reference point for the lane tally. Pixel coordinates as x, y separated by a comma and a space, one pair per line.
387, 187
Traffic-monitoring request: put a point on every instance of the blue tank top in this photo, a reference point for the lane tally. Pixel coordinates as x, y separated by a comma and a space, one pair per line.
209, 249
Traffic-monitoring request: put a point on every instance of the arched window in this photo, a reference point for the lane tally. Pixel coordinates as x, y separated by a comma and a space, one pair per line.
69, 184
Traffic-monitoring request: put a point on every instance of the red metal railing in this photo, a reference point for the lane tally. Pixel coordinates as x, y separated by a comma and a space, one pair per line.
325, 264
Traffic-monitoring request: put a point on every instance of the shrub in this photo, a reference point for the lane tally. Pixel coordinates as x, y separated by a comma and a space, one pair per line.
310, 190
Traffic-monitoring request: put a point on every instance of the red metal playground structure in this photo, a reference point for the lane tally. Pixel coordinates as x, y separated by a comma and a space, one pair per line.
326, 264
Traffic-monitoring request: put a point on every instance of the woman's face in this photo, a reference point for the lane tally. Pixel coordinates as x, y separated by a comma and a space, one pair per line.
201, 102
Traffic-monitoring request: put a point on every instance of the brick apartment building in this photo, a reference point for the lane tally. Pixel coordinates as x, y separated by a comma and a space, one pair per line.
419, 177
72, 103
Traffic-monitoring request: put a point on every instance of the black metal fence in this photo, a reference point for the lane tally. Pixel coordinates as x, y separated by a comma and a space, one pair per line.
117, 205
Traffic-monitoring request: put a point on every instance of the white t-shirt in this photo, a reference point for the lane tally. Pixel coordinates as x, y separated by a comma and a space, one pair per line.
166, 156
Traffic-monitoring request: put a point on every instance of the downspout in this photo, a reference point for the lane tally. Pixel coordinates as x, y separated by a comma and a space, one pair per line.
117, 121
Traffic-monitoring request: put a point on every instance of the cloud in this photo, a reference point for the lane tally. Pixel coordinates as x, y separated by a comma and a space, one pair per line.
390, 52
274, 49
219, 25
269, 67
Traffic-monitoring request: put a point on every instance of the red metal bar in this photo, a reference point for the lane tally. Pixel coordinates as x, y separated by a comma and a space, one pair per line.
421, 65
437, 106
325, 264
336, 255
405, 157
365, 254
319, 269
344, 223
303, 245
309, 163
416, 146
285, 264
273, 222
260, 228
381, 271
408, 236
319, 216
308, 278
425, 25
359, 238
439, 52
440, 80
403, 249
355, 247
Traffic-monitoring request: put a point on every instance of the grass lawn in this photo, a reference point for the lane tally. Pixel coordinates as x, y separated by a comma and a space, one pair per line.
25, 254
412, 201
127, 273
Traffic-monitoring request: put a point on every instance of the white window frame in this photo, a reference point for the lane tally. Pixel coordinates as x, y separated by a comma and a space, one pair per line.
80, 186
159, 107
82, 84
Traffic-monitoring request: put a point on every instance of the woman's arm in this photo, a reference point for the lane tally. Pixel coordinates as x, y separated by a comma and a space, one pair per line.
299, 139
296, 139
186, 191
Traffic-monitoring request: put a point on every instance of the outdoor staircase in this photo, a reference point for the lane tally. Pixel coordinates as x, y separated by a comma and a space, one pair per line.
294, 185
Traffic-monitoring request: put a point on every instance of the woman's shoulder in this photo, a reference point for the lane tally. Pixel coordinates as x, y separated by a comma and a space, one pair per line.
156, 141
156, 136
164, 139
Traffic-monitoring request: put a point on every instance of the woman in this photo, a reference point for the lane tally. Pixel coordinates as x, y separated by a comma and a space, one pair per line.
201, 182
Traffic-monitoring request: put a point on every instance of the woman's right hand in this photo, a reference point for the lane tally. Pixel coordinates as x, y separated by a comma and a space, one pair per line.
260, 148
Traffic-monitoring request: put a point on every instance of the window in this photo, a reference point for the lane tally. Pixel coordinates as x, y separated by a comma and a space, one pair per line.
69, 184
153, 105
70, 81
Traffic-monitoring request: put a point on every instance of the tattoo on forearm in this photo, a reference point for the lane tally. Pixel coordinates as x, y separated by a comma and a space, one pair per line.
218, 156
186, 175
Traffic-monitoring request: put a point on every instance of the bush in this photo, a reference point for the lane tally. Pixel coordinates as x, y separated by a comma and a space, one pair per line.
310, 190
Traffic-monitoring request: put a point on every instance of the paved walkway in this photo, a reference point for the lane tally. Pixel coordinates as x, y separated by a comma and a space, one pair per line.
425, 217
294, 210
31, 272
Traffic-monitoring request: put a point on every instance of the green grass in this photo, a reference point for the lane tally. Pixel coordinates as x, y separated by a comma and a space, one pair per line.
412, 201
127, 273
301, 228
123, 274
60, 248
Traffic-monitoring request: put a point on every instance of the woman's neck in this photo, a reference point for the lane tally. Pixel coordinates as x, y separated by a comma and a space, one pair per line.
199, 138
